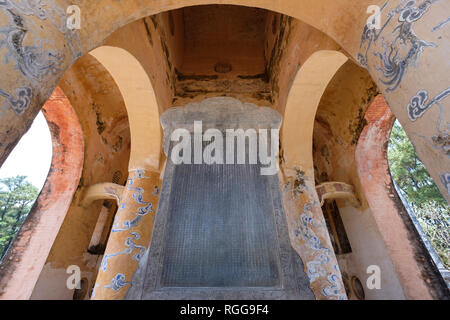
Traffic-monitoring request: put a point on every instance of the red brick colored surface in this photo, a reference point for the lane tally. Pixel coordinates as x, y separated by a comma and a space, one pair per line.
26, 257
419, 277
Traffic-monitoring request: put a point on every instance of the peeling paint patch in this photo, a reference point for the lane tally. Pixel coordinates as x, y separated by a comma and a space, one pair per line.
299, 183
273, 68
357, 126
196, 77
445, 179
442, 141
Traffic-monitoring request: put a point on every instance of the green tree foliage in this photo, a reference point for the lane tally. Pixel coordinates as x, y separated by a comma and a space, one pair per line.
16, 198
420, 191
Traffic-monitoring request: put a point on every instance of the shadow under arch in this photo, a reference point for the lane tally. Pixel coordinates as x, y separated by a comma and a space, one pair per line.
140, 102
304, 97
318, 14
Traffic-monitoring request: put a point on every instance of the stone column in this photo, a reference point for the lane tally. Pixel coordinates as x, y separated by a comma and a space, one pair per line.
309, 234
130, 235
408, 59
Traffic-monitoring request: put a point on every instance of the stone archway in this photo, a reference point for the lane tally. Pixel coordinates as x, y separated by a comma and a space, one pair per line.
140, 102
305, 219
415, 94
145, 129
417, 272
30, 249
404, 77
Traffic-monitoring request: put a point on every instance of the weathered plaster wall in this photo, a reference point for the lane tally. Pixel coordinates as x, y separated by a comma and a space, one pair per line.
289, 43
413, 92
308, 232
31, 41
140, 102
101, 110
226, 35
321, 15
418, 29
52, 281
23, 263
418, 275
368, 248
151, 43
181, 60
241, 81
338, 124
223, 55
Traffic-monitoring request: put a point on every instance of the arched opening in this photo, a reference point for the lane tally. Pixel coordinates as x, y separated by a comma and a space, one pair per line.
140, 102
72, 45
27, 254
192, 53
416, 270
161, 50
22, 180
421, 197
298, 185
320, 15
100, 108
35, 144
304, 97
354, 234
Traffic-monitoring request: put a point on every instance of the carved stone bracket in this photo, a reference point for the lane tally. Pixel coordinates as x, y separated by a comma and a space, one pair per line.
337, 190
102, 191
